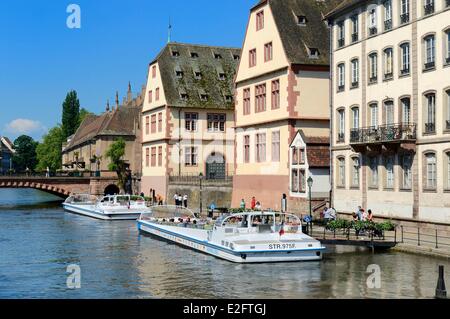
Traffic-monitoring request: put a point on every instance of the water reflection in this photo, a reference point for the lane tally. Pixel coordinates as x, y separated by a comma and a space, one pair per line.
38, 242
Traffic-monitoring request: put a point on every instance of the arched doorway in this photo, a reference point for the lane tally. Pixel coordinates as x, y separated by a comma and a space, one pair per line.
215, 166
112, 190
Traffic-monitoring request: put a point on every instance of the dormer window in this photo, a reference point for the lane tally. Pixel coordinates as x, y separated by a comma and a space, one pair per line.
217, 56
203, 95
228, 97
194, 55
175, 52
236, 57
183, 94
197, 73
313, 53
301, 20
178, 72
221, 73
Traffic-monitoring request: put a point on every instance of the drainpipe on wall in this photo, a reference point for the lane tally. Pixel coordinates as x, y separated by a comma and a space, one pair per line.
330, 25
179, 142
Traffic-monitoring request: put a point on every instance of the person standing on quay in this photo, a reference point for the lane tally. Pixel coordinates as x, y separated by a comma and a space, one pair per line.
242, 204
175, 198
185, 200
253, 203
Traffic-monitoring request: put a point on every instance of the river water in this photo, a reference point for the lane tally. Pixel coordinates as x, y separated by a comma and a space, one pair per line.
38, 241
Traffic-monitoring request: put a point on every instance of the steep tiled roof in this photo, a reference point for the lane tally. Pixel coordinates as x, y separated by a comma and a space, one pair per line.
178, 63
4, 141
298, 39
344, 5
318, 156
119, 122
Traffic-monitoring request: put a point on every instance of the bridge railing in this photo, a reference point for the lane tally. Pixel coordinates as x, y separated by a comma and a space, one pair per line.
81, 174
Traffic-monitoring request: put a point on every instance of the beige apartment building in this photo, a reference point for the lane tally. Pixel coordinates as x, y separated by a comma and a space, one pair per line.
282, 105
188, 115
391, 108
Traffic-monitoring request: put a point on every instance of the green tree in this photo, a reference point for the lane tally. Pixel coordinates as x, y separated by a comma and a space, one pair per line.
70, 114
83, 114
25, 156
115, 153
49, 151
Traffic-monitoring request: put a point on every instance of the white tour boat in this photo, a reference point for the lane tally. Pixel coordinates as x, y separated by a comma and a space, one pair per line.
250, 237
112, 207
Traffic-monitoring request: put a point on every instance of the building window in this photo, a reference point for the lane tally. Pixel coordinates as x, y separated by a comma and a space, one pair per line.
389, 167
430, 124
447, 101
447, 156
298, 181
260, 98
160, 122
341, 77
373, 115
259, 20
373, 68
341, 172
389, 112
261, 147
388, 64
153, 162
341, 34
373, 21
160, 156
387, 15
268, 52
147, 125
154, 71
150, 96
276, 146
153, 124
430, 160
190, 156
157, 94
406, 164
373, 166
405, 59
341, 126
247, 149
191, 122
275, 94
216, 122
252, 58
355, 118
429, 52
428, 7
147, 157
404, 11
355, 73
406, 110
246, 101
356, 166
301, 20
298, 156
355, 28
447, 46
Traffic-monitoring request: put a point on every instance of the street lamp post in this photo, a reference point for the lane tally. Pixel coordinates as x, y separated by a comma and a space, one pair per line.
201, 204
310, 184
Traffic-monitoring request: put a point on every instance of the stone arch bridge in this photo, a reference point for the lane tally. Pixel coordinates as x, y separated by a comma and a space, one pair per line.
60, 186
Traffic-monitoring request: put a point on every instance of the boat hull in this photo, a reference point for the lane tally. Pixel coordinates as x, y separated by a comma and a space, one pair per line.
200, 243
90, 211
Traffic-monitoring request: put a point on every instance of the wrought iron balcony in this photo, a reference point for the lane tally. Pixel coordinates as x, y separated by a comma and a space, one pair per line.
355, 37
429, 8
391, 133
429, 65
404, 18
388, 25
341, 43
430, 128
373, 30
404, 71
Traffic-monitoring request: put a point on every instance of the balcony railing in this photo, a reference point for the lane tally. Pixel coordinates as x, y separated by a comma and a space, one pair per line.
430, 127
373, 30
388, 24
383, 134
429, 8
341, 43
429, 65
373, 79
355, 37
404, 18
388, 76
355, 85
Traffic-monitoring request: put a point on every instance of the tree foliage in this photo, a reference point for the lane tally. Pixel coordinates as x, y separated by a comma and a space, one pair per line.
49, 151
70, 114
115, 153
25, 155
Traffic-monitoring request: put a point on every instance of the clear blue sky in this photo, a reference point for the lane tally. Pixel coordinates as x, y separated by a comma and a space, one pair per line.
41, 59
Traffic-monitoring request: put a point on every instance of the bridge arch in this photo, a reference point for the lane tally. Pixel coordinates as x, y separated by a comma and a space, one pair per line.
111, 189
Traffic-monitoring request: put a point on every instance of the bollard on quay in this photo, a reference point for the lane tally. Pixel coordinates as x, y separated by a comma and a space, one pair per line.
441, 293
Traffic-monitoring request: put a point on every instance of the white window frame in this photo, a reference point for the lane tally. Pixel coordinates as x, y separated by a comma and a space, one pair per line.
406, 171
431, 177
341, 75
355, 71
406, 110
355, 117
405, 56
390, 174
374, 180
374, 115
356, 166
430, 49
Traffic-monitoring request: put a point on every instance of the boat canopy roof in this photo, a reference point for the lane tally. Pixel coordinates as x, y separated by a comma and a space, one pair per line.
169, 211
268, 216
